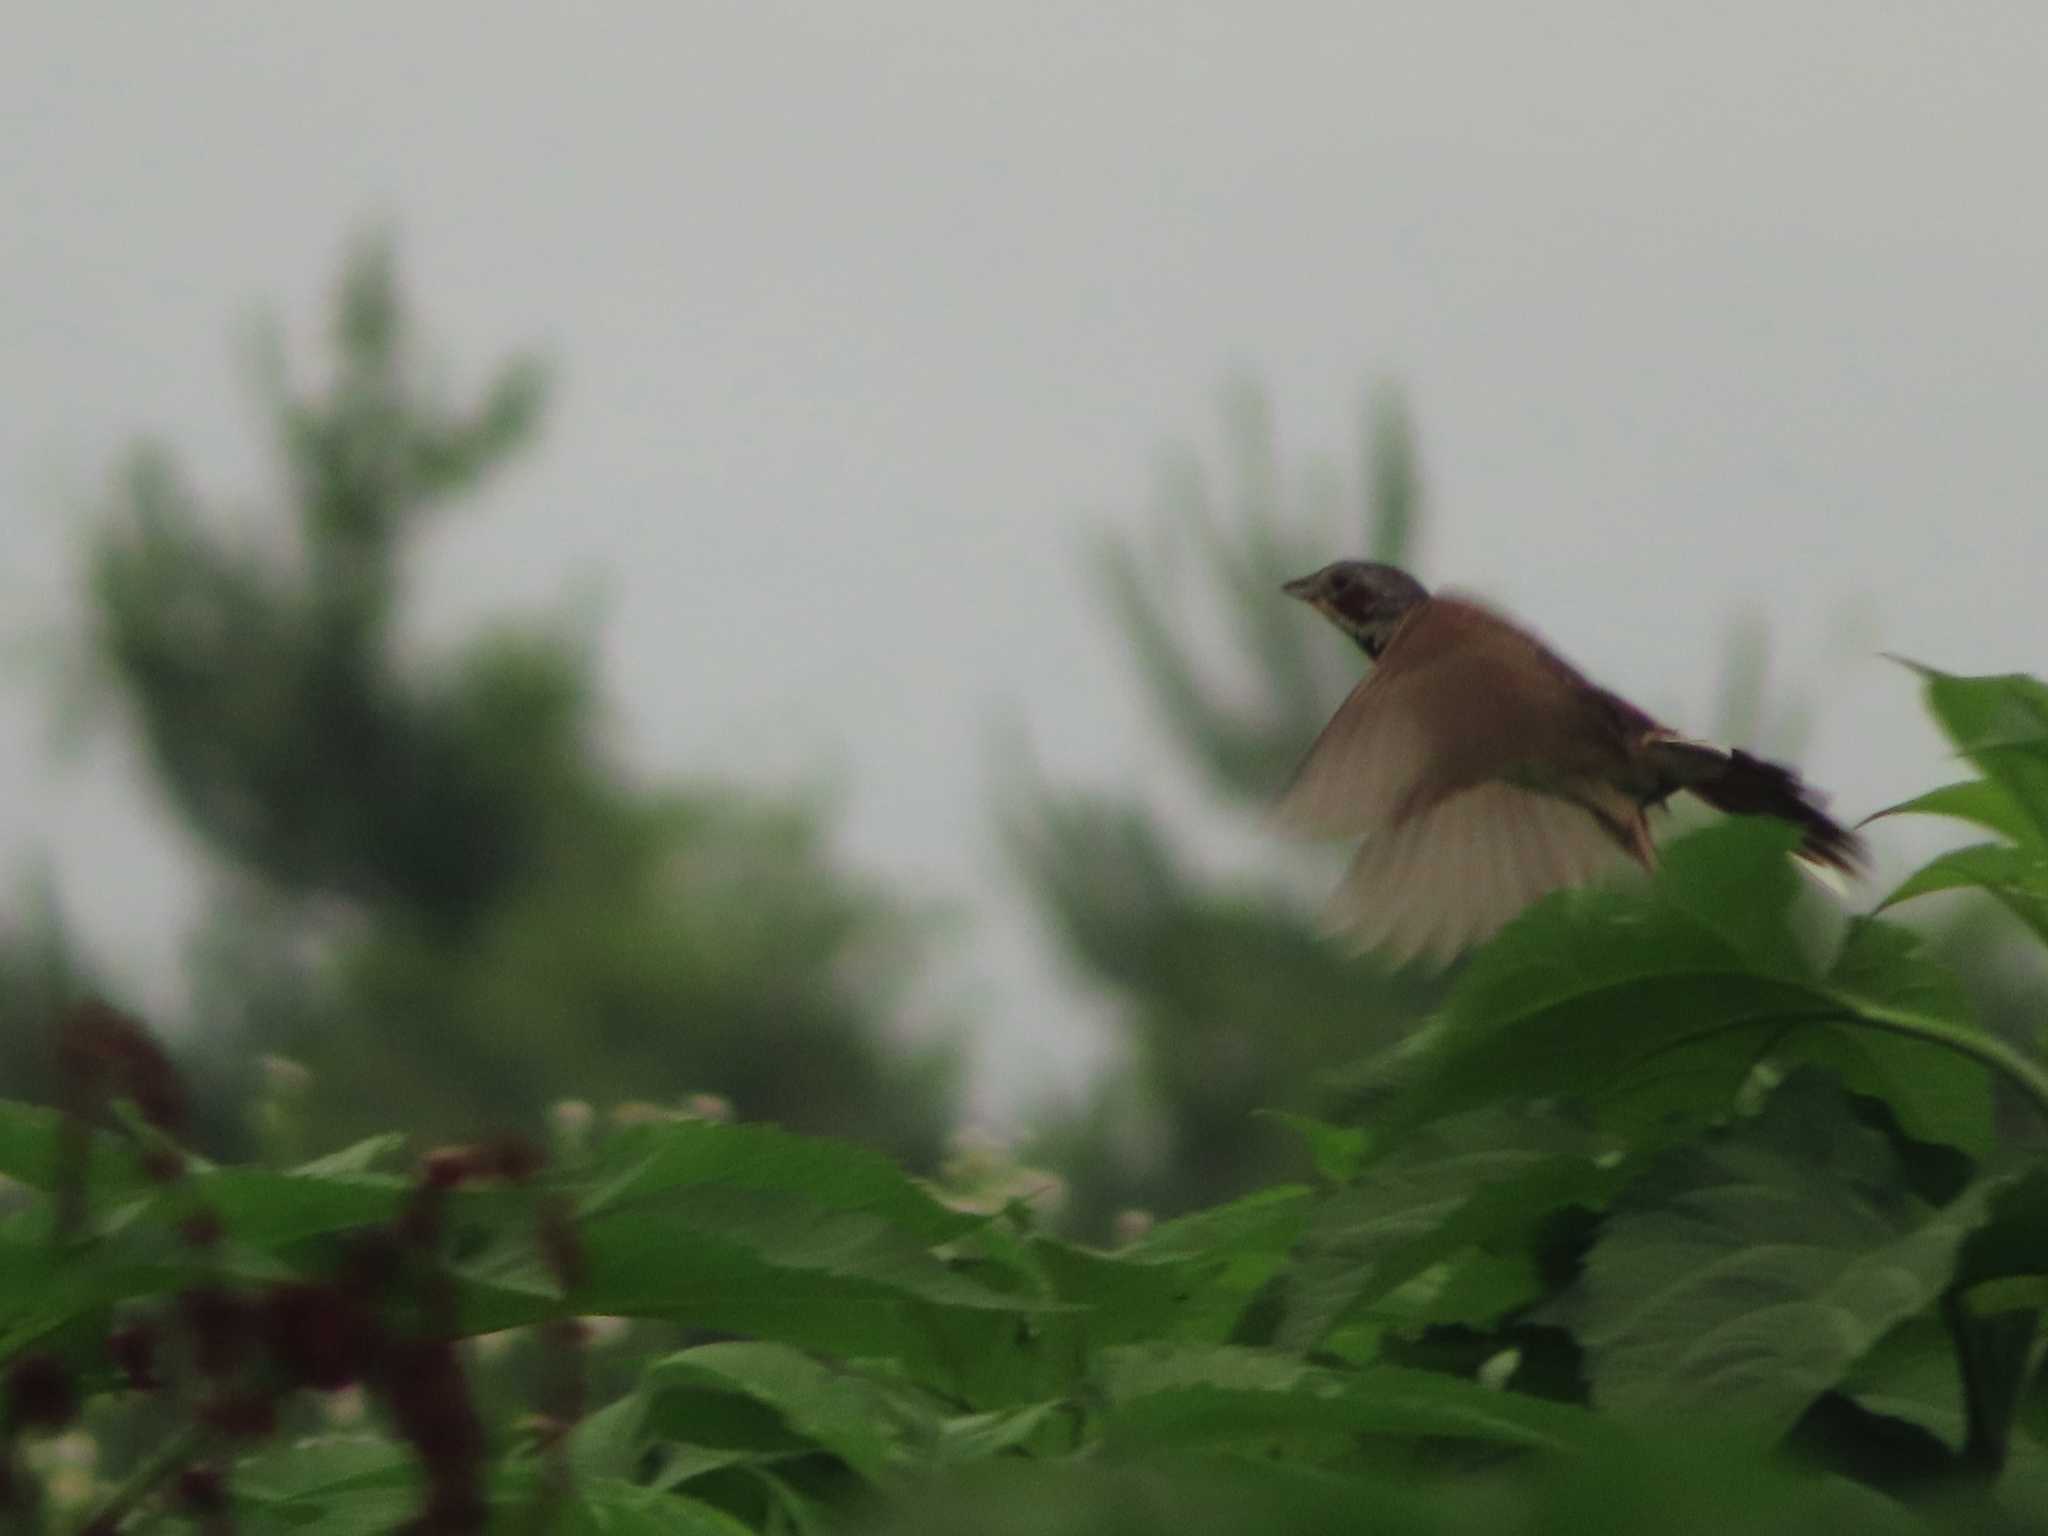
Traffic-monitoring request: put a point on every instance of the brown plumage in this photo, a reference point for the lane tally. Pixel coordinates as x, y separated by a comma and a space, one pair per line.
1482, 770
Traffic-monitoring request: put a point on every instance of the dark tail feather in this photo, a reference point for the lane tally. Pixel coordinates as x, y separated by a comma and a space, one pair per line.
1749, 786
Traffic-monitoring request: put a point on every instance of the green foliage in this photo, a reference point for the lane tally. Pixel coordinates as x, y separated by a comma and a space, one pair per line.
1683, 1215
1741, 1276
438, 891
1699, 979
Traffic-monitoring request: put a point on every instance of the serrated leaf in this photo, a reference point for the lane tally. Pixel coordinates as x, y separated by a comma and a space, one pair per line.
1654, 1007
609, 1506
649, 1162
768, 1266
610, 1441
29, 1155
1227, 1397
1226, 1256
1738, 882
1337, 1150
1476, 1290
1747, 1273
1448, 1186
1912, 1376
1939, 1095
1263, 1222
1138, 1370
1980, 802
2016, 877
267, 1209
361, 1157
2001, 724
676, 1465
976, 1436
1168, 1494
312, 1470
835, 1411
347, 1512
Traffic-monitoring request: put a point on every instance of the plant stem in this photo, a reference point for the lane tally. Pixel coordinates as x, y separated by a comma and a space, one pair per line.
2029, 1076
1991, 1361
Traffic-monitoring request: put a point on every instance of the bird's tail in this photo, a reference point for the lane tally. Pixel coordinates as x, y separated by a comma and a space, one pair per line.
1732, 781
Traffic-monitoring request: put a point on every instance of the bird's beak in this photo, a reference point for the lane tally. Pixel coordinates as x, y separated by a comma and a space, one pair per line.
1302, 587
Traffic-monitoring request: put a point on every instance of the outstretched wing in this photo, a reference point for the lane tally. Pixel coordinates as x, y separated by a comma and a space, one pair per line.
1453, 875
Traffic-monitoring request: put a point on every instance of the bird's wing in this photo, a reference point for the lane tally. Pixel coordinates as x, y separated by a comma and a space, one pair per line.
1452, 875
1461, 697
1361, 767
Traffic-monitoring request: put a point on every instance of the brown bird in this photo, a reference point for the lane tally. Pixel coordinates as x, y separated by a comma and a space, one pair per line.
1483, 770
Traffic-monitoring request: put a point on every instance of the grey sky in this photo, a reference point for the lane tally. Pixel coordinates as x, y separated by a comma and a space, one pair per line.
866, 310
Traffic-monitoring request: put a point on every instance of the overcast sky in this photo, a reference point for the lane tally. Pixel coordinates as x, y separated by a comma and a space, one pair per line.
867, 309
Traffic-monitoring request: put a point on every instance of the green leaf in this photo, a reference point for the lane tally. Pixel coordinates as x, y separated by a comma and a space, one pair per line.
1939, 1095
2016, 877
1654, 1007
1264, 1222
655, 1160
676, 1465
1598, 992
835, 1411
771, 1266
345, 1513
2014, 1293
311, 1471
1133, 1371
977, 1436
1168, 1494
612, 1507
610, 1441
1338, 1150
1737, 882
1981, 802
29, 1154
2013, 1242
266, 1209
1469, 1180
1912, 1376
1230, 1252
1747, 1273
1236, 1397
1115, 1298
2001, 724
361, 1157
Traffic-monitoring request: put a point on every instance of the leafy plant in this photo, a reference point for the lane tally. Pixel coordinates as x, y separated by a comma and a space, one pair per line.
1686, 1213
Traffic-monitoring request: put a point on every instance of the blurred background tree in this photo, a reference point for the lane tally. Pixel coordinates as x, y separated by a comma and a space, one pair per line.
39, 975
436, 889
1230, 1002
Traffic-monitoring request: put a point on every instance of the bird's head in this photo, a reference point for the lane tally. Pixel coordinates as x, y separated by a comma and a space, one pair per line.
1361, 597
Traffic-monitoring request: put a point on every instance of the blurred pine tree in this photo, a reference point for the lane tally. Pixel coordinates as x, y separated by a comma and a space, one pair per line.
438, 891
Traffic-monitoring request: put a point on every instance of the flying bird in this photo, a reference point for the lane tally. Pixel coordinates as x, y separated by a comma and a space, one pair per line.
1482, 770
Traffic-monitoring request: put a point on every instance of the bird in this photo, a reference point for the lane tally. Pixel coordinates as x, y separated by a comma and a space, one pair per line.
1481, 771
